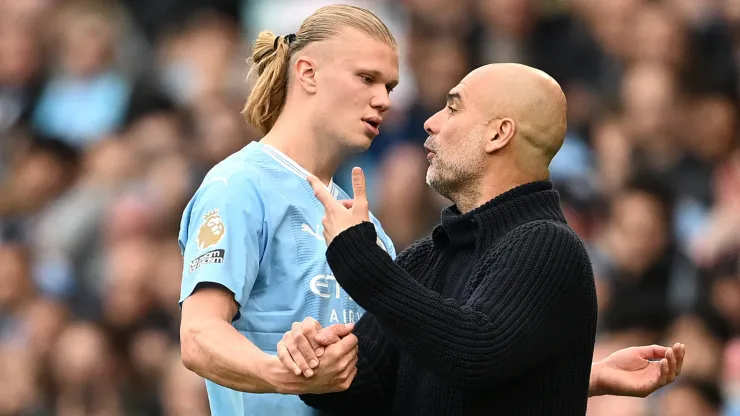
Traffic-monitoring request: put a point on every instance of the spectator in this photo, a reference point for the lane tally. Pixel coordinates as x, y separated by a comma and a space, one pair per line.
112, 111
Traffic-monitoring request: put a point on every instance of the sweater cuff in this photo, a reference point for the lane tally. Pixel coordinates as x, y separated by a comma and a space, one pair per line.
352, 250
351, 239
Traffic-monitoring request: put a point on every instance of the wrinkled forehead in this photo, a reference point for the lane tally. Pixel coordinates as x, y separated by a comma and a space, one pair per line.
489, 90
465, 94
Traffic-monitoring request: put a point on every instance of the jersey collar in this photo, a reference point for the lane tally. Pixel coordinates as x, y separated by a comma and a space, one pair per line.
294, 167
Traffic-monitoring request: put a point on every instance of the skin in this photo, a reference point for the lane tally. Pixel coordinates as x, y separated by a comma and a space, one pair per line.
501, 127
332, 86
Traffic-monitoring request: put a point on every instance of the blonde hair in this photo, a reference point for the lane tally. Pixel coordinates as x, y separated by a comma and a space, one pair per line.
271, 56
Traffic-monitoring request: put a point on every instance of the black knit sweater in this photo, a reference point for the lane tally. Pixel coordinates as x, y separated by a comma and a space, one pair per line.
494, 314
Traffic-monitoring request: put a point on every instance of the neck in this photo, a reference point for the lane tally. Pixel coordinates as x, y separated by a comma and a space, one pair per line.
495, 184
293, 136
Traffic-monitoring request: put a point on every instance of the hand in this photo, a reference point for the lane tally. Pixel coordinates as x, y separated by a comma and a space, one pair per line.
342, 215
336, 372
301, 347
632, 371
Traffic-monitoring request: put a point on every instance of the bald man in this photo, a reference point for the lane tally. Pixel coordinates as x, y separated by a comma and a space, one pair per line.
495, 312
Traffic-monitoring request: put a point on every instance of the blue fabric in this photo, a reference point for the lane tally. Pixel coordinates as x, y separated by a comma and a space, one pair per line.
254, 226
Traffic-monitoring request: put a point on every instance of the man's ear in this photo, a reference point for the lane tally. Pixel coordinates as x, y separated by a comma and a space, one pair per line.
305, 68
499, 133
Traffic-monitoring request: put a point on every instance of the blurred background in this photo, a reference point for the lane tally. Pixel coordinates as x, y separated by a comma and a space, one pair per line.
111, 112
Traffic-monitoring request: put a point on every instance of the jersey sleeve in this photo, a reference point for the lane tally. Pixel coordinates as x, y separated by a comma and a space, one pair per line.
384, 241
220, 235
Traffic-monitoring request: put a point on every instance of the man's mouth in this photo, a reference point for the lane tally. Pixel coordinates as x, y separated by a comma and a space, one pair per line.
430, 153
374, 123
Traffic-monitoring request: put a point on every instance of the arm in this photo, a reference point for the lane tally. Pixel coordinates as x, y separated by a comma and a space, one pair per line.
498, 333
213, 349
221, 239
373, 387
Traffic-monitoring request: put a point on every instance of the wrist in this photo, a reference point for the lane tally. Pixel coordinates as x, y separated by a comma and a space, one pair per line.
595, 387
279, 378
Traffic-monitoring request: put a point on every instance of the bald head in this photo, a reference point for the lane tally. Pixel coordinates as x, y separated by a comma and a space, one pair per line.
529, 97
502, 126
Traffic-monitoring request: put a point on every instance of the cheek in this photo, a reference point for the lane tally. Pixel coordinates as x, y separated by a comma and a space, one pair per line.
449, 141
352, 96
343, 90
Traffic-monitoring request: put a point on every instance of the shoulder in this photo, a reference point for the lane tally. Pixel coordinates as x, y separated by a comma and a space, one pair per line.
233, 178
233, 188
543, 245
542, 233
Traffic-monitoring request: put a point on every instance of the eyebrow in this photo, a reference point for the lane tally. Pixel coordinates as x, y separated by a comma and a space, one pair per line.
454, 97
376, 74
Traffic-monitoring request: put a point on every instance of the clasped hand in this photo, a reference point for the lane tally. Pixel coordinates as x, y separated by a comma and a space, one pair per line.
306, 343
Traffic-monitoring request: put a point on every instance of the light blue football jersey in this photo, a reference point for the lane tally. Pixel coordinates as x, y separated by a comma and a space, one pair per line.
254, 226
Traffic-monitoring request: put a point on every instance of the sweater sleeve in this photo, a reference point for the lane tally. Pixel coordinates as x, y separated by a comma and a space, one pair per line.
372, 389
522, 309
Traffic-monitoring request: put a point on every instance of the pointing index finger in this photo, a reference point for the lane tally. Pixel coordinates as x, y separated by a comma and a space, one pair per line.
358, 185
320, 191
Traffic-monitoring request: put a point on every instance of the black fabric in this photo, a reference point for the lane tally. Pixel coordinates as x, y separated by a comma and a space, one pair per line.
495, 313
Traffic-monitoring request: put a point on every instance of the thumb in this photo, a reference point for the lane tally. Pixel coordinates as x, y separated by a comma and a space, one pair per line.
333, 333
358, 186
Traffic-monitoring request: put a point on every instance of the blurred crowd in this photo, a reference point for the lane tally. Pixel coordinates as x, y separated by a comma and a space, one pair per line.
111, 112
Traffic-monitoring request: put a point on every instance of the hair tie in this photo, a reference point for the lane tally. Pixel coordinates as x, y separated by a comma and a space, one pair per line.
288, 39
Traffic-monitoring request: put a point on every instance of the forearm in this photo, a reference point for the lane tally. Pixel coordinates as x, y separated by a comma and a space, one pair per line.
394, 297
489, 339
216, 351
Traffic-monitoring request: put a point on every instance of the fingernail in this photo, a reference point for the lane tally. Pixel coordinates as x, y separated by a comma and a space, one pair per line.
320, 338
313, 363
320, 352
297, 371
309, 373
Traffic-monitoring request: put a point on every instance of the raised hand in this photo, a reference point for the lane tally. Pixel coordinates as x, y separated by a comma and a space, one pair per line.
342, 215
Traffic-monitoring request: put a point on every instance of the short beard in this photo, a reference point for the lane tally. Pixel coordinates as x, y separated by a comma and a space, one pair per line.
457, 185
447, 181
458, 178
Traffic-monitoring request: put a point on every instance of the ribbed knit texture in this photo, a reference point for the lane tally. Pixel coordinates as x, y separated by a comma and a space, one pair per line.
494, 314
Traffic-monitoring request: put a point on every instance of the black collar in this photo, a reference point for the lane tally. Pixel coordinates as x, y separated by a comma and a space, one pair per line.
529, 202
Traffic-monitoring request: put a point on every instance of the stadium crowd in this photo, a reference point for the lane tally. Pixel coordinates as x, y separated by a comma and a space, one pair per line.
112, 111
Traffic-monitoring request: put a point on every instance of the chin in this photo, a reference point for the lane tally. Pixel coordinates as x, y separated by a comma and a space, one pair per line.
432, 175
432, 180
361, 143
